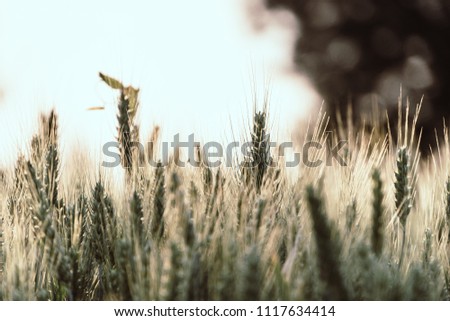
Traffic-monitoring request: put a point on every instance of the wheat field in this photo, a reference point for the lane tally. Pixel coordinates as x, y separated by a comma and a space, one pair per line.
375, 229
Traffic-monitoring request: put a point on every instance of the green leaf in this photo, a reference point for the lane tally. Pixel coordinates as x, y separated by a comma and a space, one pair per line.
111, 82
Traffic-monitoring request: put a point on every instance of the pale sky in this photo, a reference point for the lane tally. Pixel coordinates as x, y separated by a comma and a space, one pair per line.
195, 62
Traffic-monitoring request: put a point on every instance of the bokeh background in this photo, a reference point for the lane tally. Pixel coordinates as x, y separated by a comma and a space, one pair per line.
360, 52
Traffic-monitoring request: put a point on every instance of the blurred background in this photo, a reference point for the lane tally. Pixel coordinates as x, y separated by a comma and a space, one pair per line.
360, 52
201, 64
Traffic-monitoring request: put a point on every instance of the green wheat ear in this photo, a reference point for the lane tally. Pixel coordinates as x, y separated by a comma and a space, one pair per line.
159, 203
251, 276
427, 249
377, 213
124, 133
103, 225
447, 206
51, 175
403, 202
128, 129
255, 165
137, 213
175, 278
328, 250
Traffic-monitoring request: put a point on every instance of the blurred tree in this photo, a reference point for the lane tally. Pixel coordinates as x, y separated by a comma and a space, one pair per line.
358, 50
